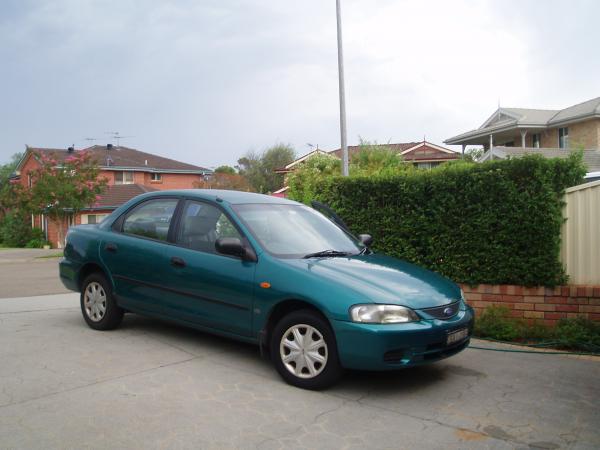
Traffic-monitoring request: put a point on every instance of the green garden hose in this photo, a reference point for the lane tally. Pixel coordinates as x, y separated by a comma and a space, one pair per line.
532, 351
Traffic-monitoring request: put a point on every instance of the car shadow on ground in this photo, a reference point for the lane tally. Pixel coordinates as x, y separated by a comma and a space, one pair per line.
357, 382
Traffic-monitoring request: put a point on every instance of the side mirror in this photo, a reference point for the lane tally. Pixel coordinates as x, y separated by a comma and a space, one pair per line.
234, 247
365, 239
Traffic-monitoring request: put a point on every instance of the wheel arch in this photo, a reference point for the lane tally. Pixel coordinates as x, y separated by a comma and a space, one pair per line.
87, 270
279, 311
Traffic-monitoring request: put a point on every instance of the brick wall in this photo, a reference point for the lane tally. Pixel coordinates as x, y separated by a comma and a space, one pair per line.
584, 134
547, 305
28, 165
173, 181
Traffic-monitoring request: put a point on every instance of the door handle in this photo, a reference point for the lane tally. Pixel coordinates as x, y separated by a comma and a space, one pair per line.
111, 247
177, 262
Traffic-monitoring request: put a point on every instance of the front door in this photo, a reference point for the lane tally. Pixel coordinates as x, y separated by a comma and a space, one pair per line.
205, 287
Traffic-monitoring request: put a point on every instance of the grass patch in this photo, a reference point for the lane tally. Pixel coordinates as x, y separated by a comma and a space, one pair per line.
577, 334
54, 255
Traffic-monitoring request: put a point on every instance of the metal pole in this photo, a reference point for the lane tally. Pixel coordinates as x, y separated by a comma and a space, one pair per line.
345, 171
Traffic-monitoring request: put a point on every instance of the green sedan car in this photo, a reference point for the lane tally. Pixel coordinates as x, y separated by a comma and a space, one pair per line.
268, 271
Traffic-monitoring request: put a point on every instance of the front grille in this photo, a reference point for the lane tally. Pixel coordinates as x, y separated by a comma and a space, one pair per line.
443, 312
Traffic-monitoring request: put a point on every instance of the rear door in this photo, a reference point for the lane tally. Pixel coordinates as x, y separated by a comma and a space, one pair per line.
136, 254
205, 287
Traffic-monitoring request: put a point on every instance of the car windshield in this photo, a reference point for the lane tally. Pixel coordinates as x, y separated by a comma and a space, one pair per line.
296, 231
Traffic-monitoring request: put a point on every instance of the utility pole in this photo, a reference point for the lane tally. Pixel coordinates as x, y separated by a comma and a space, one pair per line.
345, 171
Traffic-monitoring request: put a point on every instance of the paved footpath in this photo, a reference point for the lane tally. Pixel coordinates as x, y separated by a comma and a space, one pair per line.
154, 385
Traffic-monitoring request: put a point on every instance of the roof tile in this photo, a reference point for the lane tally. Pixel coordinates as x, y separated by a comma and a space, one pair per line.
118, 194
124, 157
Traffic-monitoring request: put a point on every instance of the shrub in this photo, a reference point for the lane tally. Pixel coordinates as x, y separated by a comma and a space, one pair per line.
15, 230
36, 243
497, 222
37, 239
496, 323
578, 333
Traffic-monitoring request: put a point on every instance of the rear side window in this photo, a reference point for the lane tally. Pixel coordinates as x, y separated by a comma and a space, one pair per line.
151, 219
201, 225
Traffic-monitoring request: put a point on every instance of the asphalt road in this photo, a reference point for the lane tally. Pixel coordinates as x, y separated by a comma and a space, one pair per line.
28, 272
154, 385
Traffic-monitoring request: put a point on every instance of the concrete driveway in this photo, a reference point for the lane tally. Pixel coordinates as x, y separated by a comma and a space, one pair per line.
155, 385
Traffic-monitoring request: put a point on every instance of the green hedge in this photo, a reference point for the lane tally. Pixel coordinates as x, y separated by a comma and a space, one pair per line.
497, 222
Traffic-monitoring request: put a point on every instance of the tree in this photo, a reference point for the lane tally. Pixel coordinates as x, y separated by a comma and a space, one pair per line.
376, 159
303, 181
63, 189
473, 154
228, 181
371, 159
260, 169
225, 169
9, 197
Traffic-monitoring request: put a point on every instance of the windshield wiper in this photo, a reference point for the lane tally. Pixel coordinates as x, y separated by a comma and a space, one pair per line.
327, 253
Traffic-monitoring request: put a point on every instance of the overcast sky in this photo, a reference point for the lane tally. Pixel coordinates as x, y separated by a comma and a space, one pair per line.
206, 81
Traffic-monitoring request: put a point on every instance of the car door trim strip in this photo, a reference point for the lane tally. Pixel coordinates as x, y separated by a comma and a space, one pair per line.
179, 292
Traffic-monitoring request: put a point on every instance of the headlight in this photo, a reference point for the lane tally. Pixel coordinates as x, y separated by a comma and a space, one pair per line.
374, 313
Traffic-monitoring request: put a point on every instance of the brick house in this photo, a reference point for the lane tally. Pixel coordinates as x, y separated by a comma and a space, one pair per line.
549, 132
128, 172
423, 155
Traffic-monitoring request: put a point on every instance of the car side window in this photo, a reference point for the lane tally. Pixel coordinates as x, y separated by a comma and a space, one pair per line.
151, 219
201, 225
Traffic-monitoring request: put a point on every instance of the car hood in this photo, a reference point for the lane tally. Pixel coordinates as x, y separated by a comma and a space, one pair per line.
383, 279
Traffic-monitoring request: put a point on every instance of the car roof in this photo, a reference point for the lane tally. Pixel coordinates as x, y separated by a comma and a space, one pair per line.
231, 197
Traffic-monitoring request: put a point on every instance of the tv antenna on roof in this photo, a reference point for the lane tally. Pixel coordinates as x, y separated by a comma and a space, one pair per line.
117, 136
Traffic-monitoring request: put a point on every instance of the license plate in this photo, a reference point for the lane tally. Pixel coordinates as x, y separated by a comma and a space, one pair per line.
457, 336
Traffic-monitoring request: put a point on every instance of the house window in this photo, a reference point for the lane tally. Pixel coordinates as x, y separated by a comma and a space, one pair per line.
123, 177
29, 180
156, 177
563, 137
92, 219
536, 138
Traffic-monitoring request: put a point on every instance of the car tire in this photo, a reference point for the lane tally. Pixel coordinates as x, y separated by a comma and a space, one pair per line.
98, 305
304, 350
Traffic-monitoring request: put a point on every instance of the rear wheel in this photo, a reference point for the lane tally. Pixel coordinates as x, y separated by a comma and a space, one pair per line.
304, 351
98, 306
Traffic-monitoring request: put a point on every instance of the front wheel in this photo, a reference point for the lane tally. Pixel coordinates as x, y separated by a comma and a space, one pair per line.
304, 350
98, 305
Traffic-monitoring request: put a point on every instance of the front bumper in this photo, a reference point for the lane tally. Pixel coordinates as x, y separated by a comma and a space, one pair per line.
394, 346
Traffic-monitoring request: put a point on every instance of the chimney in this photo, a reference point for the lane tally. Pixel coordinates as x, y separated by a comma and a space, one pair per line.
145, 162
